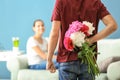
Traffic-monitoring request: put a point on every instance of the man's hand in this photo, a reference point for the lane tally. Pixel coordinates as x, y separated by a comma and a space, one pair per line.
50, 66
88, 40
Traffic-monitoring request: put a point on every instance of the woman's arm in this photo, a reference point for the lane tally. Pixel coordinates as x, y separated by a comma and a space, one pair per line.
42, 54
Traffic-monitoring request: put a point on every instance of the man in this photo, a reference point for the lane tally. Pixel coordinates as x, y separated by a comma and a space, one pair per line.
64, 13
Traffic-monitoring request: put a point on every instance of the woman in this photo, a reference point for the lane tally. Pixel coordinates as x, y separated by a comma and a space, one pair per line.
37, 47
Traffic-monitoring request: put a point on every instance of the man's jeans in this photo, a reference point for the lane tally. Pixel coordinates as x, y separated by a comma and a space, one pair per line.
74, 70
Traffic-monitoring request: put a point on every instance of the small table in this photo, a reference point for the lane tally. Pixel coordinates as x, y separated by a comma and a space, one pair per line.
5, 55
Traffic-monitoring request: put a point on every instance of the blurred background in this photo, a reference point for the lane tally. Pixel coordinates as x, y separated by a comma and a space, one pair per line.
16, 20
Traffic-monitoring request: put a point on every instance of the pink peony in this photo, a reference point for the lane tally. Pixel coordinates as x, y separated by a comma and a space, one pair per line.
90, 25
85, 29
74, 27
68, 44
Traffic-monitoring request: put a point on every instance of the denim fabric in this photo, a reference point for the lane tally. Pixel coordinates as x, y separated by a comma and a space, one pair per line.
42, 65
74, 70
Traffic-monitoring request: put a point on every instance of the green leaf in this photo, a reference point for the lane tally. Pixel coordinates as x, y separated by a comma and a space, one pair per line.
87, 54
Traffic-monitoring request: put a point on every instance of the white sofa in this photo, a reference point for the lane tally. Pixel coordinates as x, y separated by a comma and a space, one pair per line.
110, 57
108, 47
18, 67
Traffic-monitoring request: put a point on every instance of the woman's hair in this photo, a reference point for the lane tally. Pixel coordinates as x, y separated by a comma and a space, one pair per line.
37, 21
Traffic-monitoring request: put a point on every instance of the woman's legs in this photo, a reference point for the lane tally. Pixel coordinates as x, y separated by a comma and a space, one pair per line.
42, 65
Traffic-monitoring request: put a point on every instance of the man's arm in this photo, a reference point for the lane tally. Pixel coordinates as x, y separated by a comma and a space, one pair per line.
53, 38
111, 26
52, 44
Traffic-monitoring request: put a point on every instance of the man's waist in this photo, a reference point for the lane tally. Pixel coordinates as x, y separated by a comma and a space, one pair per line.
65, 57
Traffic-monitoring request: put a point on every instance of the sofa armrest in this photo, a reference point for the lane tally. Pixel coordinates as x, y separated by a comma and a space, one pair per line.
14, 64
113, 71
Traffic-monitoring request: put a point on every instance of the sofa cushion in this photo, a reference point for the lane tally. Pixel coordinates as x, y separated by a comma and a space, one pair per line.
113, 71
103, 65
108, 48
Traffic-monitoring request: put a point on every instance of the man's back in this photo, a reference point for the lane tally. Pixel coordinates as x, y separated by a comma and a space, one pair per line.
68, 11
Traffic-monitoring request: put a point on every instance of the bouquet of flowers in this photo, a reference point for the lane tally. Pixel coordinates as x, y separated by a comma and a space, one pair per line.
75, 39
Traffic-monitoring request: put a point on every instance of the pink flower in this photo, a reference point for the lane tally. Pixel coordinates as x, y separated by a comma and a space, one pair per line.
90, 25
85, 29
74, 27
68, 44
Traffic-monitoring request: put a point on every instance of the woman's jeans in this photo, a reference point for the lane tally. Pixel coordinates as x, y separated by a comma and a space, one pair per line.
42, 65
74, 70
